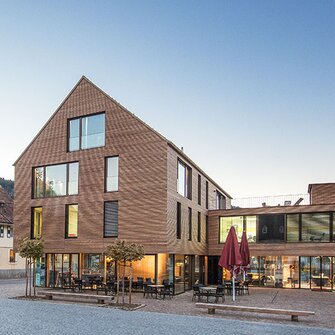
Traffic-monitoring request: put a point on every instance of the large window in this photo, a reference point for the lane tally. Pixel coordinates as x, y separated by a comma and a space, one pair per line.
86, 132
250, 228
37, 222
55, 180
315, 227
226, 223
71, 228
271, 228
292, 227
112, 174
184, 182
111, 224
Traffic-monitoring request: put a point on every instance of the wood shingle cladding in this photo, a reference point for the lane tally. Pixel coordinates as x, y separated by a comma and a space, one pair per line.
147, 186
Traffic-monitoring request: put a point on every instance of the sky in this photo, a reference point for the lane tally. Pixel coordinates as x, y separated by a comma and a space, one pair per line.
245, 87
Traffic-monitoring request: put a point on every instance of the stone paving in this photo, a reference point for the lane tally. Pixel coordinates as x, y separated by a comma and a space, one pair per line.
323, 303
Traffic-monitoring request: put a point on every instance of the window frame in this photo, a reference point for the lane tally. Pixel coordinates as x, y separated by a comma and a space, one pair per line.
32, 237
189, 223
207, 194
199, 226
10, 231
199, 189
80, 118
67, 206
178, 225
104, 218
12, 256
106, 170
2, 231
187, 177
67, 164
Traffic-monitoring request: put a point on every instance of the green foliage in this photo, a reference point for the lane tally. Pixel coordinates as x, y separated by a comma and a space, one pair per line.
121, 251
31, 248
8, 186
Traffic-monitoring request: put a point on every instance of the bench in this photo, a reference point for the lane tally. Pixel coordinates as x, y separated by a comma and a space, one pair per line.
99, 298
294, 314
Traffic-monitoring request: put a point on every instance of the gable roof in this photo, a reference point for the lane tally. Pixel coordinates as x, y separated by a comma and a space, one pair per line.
6, 207
171, 144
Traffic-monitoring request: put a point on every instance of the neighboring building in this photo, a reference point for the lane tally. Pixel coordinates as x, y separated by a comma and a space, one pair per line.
96, 172
291, 246
11, 264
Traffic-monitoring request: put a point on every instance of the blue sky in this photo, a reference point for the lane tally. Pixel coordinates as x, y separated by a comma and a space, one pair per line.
246, 87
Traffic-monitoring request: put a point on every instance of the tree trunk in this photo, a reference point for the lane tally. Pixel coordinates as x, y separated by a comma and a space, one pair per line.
29, 276
130, 282
117, 284
34, 275
124, 274
26, 277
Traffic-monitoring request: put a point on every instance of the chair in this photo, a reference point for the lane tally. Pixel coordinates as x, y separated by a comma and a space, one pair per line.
166, 291
245, 288
149, 291
148, 281
196, 292
219, 293
140, 282
77, 285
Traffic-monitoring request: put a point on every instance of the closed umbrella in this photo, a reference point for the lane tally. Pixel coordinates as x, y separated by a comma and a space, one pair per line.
245, 253
230, 257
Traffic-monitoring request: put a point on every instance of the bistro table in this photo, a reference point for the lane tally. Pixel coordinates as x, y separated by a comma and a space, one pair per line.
207, 291
155, 289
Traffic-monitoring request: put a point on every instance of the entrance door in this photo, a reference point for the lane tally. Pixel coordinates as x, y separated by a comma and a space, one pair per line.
321, 270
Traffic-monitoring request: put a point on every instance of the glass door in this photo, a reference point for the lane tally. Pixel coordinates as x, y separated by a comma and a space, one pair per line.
325, 273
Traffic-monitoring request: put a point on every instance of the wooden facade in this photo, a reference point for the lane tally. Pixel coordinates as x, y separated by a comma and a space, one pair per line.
147, 192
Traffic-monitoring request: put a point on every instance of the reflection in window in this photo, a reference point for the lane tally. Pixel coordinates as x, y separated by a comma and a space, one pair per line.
251, 228
72, 221
37, 223
179, 273
292, 228
184, 180
86, 132
226, 223
220, 201
73, 178
315, 227
112, 174
55, 180
271, 227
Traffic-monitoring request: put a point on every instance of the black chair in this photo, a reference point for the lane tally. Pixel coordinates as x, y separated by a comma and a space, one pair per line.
196, 292
245, 288
149, 292
139, 283
148, 281
77, 285
219, 293
167, 291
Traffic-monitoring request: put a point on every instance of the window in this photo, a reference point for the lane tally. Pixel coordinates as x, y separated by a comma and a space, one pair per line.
86, 132
178, 220
199, 189
2, 228
111, 224
11, 256
292, 227
250, 228
190, 224
220, 201
71, 226
184, 182
199, 227
112, 174
271, 228
55, 180
206, 228
226, 223
9, 232
206, 194
37, 222
315, 227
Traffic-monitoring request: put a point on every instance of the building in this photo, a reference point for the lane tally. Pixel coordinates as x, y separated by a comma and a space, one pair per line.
11, 264
291, 246
95, 172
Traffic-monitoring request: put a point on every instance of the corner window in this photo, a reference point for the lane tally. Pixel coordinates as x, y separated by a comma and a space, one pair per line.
112, 174
37, 223
184, 180
11, 256
111, 224
55, 180
86, 132
71, 228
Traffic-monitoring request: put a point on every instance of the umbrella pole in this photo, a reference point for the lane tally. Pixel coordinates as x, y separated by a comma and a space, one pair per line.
234, 283
243, 275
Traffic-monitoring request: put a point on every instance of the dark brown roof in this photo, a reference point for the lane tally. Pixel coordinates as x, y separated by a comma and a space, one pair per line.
6, 207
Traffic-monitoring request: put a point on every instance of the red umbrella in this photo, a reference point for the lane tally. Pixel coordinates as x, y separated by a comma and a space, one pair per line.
245, 253
230, 257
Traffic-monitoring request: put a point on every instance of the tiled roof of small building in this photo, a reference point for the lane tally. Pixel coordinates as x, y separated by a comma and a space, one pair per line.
6, 207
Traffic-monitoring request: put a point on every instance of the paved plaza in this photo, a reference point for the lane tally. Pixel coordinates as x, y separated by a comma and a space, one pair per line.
176, 316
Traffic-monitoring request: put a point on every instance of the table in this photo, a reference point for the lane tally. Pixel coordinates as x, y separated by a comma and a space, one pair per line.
154, 289
207, 291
